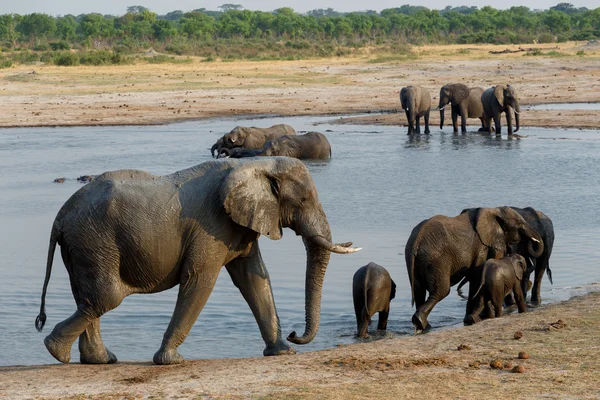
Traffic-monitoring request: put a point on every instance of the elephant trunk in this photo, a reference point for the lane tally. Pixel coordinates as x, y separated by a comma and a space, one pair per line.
316, 236
535, 245
442, 113
224, 152
517, 112
213, 148
443, 102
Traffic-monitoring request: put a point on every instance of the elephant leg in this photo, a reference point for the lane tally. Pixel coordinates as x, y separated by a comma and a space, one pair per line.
497, 124
383, 319
509, 300
540, 269
410, 123
362, 323
463, 118
91, 347
418, 124
455, 119
419, 318
482, 124
196, 284
60, 340
250, 276
426, 118
497, 302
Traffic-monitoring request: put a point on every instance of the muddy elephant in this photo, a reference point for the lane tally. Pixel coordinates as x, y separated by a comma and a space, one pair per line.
499, 278
311, 145
543, 225
497, 100
416, 103
443, 250
465, 102
372, 291
252, 137
132, 232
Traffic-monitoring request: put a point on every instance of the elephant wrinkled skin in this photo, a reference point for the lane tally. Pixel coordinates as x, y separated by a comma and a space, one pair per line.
465, 102
416, 103
131, 232
372, 291
251, 137
442, 250
497, 100
312, 145
499, 278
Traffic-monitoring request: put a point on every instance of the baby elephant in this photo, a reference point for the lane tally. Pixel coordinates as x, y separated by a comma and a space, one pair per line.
372, 291
498, 279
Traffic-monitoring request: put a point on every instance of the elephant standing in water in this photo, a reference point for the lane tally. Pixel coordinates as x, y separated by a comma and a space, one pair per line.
372, 291
442, 250
500, 278
251, 137
312, 145
497, 100
416, 102
132, 232
543, 225
465, 102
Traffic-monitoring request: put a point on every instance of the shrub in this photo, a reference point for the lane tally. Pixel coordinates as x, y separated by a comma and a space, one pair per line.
546, 38
62, 45
66, 59
580, 53
5, 63
41, 47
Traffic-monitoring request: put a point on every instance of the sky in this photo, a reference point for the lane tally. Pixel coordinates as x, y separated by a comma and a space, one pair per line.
119, 7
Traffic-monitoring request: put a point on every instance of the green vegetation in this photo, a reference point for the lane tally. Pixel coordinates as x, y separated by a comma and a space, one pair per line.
235, 33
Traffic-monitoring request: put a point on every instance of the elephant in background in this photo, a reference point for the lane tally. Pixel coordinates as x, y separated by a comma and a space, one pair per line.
237, 152
372, 291
497, 100
132, 232
252, 137
465, 102
416, 102
442, 250
543, 225
499, 278
312, 145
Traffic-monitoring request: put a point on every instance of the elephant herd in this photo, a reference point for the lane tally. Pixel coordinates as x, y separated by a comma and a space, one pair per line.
129, 232
465, 102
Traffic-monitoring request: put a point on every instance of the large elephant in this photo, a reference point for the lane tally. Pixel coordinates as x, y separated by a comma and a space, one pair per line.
465, 102
312, 145
251, 137
442, 250
543, 225
132, 232
500, 278
497, 100
372, 291
416, 103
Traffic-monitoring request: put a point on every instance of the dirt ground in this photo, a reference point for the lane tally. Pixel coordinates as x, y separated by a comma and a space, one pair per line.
161, 93
561, 342
563, 360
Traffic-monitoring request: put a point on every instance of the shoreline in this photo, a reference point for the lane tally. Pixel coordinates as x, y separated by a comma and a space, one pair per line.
562, 360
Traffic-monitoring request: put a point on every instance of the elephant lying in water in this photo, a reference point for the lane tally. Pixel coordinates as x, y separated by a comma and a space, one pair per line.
251, 137
132, 232
312, 145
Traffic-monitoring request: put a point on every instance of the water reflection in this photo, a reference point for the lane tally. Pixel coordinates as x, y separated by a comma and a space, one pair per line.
417, 141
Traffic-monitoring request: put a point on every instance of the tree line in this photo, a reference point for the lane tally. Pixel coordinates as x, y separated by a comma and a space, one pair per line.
200, 30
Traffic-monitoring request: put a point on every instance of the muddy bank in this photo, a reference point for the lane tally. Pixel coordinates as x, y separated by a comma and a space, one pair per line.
563, 359
164, 93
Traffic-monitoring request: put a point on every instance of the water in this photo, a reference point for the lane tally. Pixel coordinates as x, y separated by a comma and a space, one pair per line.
378, 186
563, 106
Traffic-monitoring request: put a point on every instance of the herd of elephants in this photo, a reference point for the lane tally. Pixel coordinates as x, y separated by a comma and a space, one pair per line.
129, 231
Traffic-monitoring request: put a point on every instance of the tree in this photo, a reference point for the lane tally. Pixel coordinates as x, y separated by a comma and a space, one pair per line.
65, 27
228, 7
8, 28
36, 26
136, 9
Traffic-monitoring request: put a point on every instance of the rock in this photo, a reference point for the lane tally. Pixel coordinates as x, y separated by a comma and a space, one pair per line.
518, 369
463, 347
523, 355
518, 335
496, 364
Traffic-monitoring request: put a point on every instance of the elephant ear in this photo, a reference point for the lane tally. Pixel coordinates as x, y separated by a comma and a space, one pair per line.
393, 291
489, 229
499, 93
250, 196
460, 93
518, 268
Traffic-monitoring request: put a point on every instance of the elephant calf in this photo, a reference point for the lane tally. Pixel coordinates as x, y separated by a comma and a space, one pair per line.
372, 291
416, 102
498, 279
251, 137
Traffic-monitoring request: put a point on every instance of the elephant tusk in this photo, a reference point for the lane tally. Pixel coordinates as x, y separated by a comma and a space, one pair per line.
535, 240
340, 248
441, 109
232, 140
516, 112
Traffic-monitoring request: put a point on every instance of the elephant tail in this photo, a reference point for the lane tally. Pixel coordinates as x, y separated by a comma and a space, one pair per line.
41, 318
549, 273
459, 288
366, 294
412, 276
485, 266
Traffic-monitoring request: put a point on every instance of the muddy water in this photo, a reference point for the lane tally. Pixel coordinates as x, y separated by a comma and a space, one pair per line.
378, 186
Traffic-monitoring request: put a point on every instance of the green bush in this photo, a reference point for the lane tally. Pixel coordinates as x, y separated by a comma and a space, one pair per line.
546, 38
41, 47
97, 57
62, 45
5, 63
66, 59
580, 53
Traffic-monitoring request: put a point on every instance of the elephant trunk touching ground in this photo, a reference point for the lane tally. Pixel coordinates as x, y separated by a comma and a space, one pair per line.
517, 112
317, 240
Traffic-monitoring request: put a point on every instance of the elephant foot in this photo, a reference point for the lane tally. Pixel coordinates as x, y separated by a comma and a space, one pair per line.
535, 301
427, 131
420, 323
167, 357
106, 357
58, 350
471, 319
278, 349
